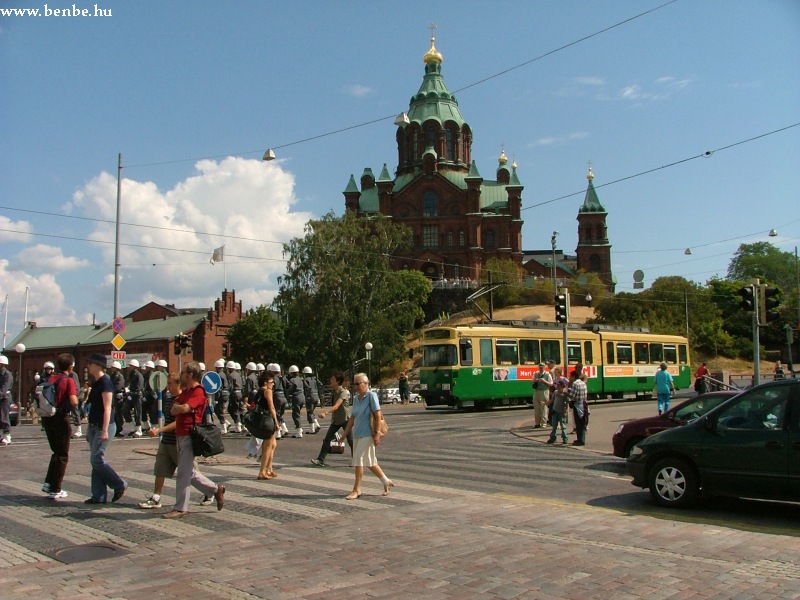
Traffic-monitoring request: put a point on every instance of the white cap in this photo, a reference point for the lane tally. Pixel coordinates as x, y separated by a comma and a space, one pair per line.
294, 369
272, 367
3, 360
161, 363
230, 365
202, 366
260, 367
116, 365
219, 363
49, 365
150, 365
307, 370
238, 367
133, 363
251, 366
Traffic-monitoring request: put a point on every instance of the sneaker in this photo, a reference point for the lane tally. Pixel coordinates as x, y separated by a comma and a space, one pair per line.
5, 440
551, 441
298, 433
57, 495
251, 457
153, 501
318, 462
224, 428
206, 500
78, 433
46, 487
119, 434
278, 434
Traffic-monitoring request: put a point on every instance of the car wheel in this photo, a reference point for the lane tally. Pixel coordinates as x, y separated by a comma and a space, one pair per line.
673, 483
631, 443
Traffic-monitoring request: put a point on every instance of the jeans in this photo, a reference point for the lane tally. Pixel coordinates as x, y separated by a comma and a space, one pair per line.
103, 475
188, 475
5, 422
329, 437
58, 432
663, 402
580, 425
557, 419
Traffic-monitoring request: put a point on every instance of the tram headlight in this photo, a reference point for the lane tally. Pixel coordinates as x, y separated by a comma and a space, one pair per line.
445, 387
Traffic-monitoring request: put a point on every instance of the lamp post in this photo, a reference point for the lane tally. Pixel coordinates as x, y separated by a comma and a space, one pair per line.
553, 245
368, 347
20, 348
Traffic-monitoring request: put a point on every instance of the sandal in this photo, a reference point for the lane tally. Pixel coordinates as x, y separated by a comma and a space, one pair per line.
387, 487
353, 496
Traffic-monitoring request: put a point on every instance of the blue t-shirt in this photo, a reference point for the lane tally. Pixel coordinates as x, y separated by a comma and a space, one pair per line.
96, 400
363, 407
663, 382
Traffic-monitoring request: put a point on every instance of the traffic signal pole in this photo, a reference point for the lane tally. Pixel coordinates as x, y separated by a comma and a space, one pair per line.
562, 316
756, 339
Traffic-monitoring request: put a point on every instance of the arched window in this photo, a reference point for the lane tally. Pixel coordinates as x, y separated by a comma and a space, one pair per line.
490, 239
588, 230
429, 205
462, 239
415, 146
457, 270
450, 150
449, 239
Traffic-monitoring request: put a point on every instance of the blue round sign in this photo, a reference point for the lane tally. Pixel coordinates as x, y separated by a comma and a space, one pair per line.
211, 382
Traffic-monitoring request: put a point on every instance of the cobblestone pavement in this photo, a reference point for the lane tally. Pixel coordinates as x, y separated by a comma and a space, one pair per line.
297, 537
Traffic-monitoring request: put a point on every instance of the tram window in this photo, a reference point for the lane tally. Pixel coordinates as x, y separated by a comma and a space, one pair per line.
486, 352
529, 352
610, 353
574, 352
551, 350
624, 353
465, 349
642, 353
587, 353
656, 353
507, 352
439, 356
684, 354
670, 354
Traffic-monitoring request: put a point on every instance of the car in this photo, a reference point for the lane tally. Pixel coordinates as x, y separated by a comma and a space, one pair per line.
631, 433
13, 413
746, 447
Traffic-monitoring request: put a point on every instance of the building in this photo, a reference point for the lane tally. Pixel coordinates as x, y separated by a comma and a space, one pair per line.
459, 220
149, 334
594, 249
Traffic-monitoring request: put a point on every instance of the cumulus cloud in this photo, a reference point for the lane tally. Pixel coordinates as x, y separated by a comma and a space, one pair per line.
14, 231
358, 90
47, 259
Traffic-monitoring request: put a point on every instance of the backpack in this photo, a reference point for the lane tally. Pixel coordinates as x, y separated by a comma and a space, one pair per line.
46, 397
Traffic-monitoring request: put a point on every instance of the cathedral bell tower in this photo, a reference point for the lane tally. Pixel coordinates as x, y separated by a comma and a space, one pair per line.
594, 250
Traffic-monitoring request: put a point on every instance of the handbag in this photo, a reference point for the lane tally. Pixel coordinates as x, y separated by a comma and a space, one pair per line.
337, 444
206, 439
259, 423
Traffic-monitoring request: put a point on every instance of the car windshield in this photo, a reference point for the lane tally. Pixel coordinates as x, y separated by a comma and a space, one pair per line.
698, 407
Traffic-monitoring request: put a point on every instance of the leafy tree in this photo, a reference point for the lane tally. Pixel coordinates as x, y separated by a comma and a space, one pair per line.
508, 272
257, 337
587, 284
764, 261
340, 291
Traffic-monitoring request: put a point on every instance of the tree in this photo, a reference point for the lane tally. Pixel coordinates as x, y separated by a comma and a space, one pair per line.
257, 336
764, 261
508, 272
339, 292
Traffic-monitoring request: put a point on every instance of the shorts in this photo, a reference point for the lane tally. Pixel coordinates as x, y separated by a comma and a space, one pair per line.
364, 452
166, 460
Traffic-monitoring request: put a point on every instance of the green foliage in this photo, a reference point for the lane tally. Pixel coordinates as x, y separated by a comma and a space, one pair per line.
339, 292
257, 337
587, 284
764, 261
508, 272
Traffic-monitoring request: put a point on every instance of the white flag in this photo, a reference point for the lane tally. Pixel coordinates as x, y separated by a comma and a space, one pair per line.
219, 255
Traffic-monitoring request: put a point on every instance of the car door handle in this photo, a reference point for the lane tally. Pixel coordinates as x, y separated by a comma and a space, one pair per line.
775, 445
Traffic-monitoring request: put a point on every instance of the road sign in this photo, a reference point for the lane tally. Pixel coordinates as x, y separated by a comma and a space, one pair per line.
118, 342
118, 355
118, 325
211, 382
158, 380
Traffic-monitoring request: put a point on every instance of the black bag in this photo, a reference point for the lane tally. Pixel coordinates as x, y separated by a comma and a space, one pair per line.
206, 438
259, 423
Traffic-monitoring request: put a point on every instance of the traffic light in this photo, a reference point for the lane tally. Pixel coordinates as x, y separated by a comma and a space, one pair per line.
186, 343
768, 299
748, 294
562, 306
177, 347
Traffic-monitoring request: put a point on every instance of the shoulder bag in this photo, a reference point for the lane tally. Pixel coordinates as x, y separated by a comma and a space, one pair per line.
259, 421
206, 438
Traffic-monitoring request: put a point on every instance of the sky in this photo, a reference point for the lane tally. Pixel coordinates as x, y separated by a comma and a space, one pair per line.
689, 116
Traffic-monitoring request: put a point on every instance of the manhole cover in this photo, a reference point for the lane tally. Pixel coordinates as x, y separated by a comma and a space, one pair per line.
86, 552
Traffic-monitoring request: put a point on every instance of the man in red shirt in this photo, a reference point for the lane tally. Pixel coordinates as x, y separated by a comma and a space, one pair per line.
189, 408
58, 427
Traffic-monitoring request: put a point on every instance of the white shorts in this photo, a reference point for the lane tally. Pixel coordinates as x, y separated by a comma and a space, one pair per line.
364, 452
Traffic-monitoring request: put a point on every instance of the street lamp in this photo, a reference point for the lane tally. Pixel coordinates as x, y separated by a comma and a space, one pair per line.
368, 347
20, 348
553, 244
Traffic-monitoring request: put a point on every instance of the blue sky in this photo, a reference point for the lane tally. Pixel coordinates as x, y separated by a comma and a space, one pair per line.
192, 93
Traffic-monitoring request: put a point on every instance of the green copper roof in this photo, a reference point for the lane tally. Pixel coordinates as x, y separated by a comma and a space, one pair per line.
434, 100
351, 185
591, 203
384, 176
473, 172
514, 181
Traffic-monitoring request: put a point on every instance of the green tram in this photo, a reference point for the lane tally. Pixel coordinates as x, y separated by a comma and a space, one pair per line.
486, 365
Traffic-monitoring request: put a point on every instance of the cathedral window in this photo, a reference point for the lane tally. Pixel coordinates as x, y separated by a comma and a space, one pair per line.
430, 205
450, 149
462, 239
415, 146
595, 264
600, 235
490, 239
449, 239
430, 236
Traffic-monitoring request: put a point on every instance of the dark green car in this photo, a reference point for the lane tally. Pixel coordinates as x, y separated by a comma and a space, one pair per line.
747, 447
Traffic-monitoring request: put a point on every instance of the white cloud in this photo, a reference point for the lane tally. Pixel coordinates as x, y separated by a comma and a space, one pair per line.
358, 90
47, 259
14, 231
561, 139
663, 89
590, 80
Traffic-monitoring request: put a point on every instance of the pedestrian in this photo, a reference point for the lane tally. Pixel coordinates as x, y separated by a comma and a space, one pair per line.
664, 387
542, 382
578, 402
312, 388
364, 423
222, 396
700, 384
235, 408
279, 397
99, 432
296, 394
403, 388
149, 404
340, 400
558, 409
167, 454
189, 408
6, 382
58, 427
266, 382
76, 414
779, 372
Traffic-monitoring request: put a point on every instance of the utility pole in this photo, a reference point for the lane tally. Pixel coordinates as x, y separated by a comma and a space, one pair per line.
756, 339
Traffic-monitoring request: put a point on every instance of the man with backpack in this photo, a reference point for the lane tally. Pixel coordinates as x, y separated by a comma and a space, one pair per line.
61, 389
